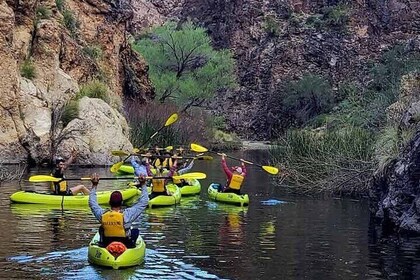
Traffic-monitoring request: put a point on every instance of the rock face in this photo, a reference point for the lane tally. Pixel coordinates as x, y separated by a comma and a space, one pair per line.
274, 41
395, 192
63, 47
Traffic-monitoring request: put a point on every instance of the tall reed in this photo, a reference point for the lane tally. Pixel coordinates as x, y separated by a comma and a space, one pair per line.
327, 161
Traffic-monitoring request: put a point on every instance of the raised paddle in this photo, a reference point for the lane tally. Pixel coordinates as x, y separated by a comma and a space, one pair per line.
173, 118
46, 178
121, 153
200, 149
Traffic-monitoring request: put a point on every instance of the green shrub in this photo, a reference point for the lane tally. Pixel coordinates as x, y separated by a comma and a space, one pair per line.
94, 51
271, 26
95, 89
60, 5
70, 112
70, 21
336, 16
27, 69
43, 12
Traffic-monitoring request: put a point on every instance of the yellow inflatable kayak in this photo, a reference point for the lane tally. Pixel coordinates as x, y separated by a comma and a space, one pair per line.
131, 257
67, 200
125, 168
193, 187
231, 198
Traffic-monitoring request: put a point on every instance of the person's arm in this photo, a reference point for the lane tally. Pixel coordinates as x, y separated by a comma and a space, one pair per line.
186, 169
93, 203
243, 168
133, 212
226, 168
173, 169
136, 165
72, 157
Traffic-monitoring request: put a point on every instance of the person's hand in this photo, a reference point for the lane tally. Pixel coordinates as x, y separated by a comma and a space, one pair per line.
242, 161
94, 179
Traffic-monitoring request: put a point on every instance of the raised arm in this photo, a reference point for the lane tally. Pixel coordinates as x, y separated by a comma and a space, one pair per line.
72, 157
93, 203
225, 167
133, 212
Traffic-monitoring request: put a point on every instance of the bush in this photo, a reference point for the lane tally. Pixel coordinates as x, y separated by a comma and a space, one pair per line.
70, 112
94, 51
271, 26
336, 16
60, 5
95, 89
43, 12
70, 21
27, 70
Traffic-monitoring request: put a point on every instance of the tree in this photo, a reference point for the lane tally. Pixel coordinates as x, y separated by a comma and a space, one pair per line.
183, 66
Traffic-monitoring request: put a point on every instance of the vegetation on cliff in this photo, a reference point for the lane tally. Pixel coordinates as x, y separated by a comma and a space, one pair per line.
333, 143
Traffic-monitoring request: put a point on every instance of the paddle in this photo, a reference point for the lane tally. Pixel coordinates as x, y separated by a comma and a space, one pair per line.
173, 118
200, 149
46, 178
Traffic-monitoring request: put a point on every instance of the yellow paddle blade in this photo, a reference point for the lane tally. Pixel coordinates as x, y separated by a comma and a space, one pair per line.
169, 148
43, 178
271, 169
115, 167
197, 148
173, 118
119, 153
192, 175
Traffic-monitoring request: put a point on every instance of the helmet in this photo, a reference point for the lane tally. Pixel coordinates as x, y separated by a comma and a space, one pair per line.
58, 159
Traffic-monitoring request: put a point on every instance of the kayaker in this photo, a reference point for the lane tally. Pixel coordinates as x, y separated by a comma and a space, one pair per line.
116, 222
235, 176
140, 167
159, 185
62, 188
186, 168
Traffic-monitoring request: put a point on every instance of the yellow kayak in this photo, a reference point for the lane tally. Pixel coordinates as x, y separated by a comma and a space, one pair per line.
125, 168
131, 257
231, 198
67, 200
167, 200
193, 187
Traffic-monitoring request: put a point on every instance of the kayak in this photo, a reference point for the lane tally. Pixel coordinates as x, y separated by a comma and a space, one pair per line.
125, 168
231, 198
193, 187
167, 200
131, 257
66, 200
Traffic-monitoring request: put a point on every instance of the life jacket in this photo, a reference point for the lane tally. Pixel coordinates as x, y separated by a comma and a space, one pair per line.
236, 182
176, 181
58, 187
158, 185
167, 163
113, 224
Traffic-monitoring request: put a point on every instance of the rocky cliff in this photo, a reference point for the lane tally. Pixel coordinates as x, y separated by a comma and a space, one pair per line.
48, 50
278, 40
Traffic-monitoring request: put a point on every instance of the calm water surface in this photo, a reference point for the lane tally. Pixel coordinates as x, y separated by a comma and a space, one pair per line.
292, 238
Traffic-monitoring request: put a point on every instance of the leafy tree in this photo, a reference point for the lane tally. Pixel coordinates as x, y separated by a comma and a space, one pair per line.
183, 66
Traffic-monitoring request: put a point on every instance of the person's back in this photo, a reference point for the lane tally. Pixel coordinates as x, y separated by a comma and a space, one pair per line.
116, 222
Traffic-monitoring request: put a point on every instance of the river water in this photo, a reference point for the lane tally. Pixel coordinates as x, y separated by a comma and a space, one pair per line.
277, 236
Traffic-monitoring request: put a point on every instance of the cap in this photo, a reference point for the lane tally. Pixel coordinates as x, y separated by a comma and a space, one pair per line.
237, 169
116, 199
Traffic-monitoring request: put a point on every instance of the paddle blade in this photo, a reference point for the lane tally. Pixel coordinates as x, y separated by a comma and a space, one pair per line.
197, 148
173, 118
192, 175
204, 158
271, 169
43, 178
115, 167
119, 153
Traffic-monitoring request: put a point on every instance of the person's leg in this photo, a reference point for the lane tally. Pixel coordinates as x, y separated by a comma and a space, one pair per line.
79, 189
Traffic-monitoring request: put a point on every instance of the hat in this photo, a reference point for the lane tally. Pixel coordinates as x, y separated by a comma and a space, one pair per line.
116, 199
237, 169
